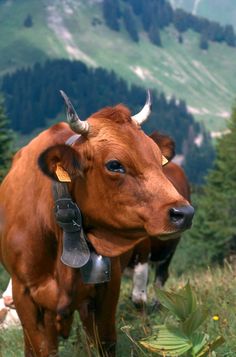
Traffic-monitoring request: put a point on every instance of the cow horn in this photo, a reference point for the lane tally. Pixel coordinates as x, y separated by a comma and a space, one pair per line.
143, 115
77, 125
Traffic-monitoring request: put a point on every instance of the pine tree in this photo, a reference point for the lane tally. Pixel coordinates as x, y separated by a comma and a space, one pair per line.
199, 158
130, 24
214, 231
180, 38
154, 35
203, 44
28, 22
6, 138
230, 38
111, 13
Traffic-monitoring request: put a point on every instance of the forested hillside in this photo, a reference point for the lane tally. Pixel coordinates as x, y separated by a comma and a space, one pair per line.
212, 238
32, 97
37, 30
223, 11
158, 14
6, 147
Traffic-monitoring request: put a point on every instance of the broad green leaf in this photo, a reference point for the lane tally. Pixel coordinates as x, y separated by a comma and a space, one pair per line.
175, 303
170, 340
194, 321
199, 341
189, 295
181, 304
211, 346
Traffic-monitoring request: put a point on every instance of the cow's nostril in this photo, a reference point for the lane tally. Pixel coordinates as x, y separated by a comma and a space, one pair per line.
176, 215
181, 217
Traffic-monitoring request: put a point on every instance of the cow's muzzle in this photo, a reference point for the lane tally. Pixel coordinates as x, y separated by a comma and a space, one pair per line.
181, 217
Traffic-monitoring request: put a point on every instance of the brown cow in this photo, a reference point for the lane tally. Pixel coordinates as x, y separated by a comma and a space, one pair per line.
115, 176
1, 220
159, 252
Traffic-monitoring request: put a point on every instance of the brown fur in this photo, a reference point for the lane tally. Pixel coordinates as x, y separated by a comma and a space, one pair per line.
118, 212
166, 144
153, 248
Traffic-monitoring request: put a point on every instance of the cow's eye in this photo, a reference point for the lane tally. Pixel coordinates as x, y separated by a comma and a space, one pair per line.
115, 166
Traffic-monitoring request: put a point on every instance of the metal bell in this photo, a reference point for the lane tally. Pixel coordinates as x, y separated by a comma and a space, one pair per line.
97, 270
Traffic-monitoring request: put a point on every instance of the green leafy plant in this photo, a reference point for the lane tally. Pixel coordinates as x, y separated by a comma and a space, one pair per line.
181, 337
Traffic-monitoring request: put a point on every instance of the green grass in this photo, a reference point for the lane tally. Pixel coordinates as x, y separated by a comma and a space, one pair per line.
204, 79
20, 46
215, 289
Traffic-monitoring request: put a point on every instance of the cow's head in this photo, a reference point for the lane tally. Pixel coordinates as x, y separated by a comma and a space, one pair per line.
117, 179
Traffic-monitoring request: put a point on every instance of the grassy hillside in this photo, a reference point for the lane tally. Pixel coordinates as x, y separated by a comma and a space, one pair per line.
223, 11
216, 289
74, 29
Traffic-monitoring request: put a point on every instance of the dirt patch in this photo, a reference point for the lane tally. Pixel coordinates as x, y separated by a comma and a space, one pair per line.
57, 25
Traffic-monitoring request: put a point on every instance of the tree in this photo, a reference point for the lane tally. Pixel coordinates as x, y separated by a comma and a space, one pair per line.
130, 24
214, 231
230, 37
199, 158
137, 6
28, 22
111, 13
154, 35
180, 20
180, 38
203, 44
6, 138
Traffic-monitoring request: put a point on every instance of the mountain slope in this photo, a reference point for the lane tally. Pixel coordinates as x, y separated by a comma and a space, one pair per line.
223, 11
75, 29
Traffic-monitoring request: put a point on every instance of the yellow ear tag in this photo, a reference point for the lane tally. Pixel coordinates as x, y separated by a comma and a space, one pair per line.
62, 175
164, 160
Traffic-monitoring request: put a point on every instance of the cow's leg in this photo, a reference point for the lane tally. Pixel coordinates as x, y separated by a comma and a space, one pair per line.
139, 263
99, 317
140, 280
162, 268
161, 275
162, 271
40, 334
162, 253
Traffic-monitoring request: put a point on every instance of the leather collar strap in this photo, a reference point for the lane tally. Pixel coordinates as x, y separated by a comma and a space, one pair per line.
68, 216
77, 251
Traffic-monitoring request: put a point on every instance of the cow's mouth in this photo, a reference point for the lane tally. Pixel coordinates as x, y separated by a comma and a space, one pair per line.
177, 220
171, 235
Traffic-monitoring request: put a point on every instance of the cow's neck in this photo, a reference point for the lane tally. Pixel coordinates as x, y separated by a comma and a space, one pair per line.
111, 243
76, 251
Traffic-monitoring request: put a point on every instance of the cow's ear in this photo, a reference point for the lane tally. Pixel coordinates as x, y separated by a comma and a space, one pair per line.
60, 162
165, 143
